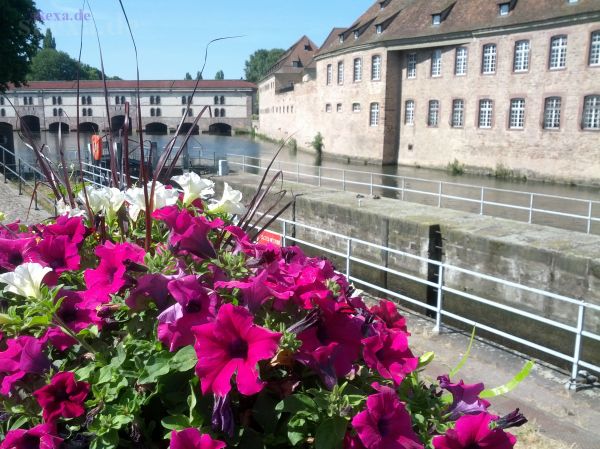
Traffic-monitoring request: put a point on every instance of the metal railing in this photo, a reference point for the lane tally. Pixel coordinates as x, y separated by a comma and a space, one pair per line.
352, 247
530, 207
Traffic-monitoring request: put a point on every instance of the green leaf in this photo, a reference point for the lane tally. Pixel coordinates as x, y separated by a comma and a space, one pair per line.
158, 365
511, 385
296, 403
464, 358
18, 423
426, 359
175, 422
105, 375
295, 437
330, 433
184, 360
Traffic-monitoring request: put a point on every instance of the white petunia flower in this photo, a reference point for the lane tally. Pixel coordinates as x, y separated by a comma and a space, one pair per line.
230, 202
194, 187
26, 280
107, 200
63, 208
137, 203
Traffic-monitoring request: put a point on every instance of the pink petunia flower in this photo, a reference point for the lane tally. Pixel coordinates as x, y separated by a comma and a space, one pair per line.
63, 397
109, 276
14, 252
465, 398
232, 344
41, 436
58, 253
193, 439
387, 312
475, 432
23, 355
72, 227
58, 338
385, 424
387, 352
75, 312
149, 288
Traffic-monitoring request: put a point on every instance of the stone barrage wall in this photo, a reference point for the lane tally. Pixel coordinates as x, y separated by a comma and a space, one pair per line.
568, 153
562, 262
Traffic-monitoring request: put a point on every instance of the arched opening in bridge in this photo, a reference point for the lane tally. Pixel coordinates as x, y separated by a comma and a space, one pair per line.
30, 123
6, 140
116, 123
221, 129
187, 126
156, 128
88, 127
53, 127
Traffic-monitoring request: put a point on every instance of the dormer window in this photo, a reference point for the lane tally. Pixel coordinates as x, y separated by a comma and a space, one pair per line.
307, 47
384, 3
341, 38
504, 9
436, 19
379, 29
572, 1
356, 34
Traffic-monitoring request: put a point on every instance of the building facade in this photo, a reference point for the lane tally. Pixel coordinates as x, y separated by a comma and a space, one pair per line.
511, 85
48, 105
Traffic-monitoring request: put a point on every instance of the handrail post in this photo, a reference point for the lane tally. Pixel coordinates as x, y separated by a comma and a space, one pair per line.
348, 256
20, 179
481, 202
589, 220
297, 172
4, 163
577, 350
440, 195
244, 163
440, 298
283, 234
530, 208
344, 180
35, 192
319, 167
402, 187
371, 191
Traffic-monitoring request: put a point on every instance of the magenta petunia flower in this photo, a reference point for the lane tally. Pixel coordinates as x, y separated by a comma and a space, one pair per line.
63, 397
14, 252
58, 339
23, 355
58, 253
41, 436
109, 276
385, 424
256, 290
74, 311
387, 312
387, 352
193, 439
465, 398
72, 227
475, 432
232, 344
149, 288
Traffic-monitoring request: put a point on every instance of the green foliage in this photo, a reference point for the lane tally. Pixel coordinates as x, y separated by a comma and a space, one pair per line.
19, 40
198, 75
503, 172
188, 76
259, 63
317, 143
50, 64
456, 168
49, 41
220, 75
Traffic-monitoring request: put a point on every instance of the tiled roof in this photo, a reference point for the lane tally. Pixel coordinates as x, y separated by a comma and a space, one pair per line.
302, 51
404, 20
144, 84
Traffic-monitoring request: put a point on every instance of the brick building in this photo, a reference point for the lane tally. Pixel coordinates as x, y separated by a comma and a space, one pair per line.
489, 83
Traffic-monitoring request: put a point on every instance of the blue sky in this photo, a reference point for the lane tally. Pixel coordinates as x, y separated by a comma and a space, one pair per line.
171, 34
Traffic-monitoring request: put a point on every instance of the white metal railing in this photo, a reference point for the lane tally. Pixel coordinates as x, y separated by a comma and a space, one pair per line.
578, 307
478, 199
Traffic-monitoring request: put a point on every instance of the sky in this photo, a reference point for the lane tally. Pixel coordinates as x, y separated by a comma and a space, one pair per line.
171, 35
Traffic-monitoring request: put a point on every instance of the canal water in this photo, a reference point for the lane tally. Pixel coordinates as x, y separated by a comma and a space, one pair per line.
421, 179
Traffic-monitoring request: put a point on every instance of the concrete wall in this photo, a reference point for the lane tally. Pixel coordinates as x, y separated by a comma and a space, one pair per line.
554, 260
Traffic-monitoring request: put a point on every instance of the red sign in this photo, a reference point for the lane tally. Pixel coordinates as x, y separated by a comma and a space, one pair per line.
269, 237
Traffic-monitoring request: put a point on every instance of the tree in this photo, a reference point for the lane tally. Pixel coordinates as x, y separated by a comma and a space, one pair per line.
49, 41
198, 75
259, 63
19, 40
220, 75
187, 76
52, 65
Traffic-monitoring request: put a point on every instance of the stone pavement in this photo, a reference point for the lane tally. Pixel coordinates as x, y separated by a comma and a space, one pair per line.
568, 416
16, 207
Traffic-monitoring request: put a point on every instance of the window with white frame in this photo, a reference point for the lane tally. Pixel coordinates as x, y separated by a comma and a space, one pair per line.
504, 9
328, 107
521, 59
436, 19
486, 112
409, 112
376, 68
594, 58
436, 63
517, 113
378, 28
340, 72
591, 112
433, 113
552, 113
558, 52
374, 115
488, 63
357, 72
411, 65
329, 74
460, 63
458, 113
338, 107
355, 107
